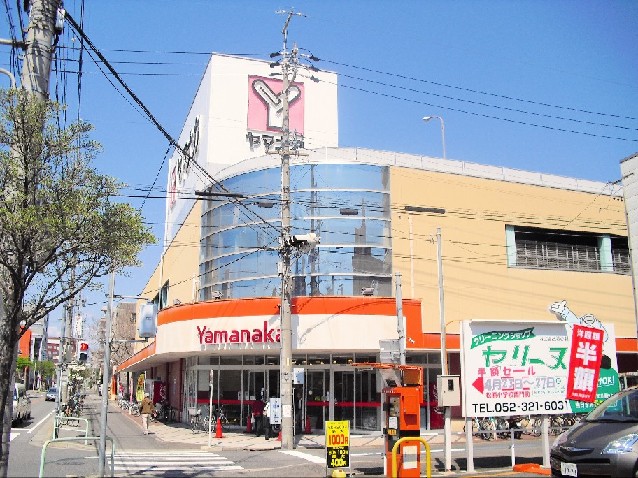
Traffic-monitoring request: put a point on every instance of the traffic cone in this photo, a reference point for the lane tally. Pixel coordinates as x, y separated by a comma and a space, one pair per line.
218, 429
279, 436
307, 430
249, 425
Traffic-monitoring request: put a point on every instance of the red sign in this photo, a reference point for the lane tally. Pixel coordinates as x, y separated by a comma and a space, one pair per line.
262, 335
584, 363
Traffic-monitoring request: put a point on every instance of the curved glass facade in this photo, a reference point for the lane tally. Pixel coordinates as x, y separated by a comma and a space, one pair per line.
346, 205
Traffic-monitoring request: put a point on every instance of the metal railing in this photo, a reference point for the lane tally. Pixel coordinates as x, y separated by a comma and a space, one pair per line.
60, 420
70, 439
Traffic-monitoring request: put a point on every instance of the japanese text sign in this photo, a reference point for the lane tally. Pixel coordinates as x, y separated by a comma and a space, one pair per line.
524, 368
338, 444
584, 363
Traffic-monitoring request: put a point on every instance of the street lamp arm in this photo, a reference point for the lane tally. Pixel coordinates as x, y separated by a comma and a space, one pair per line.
428, 118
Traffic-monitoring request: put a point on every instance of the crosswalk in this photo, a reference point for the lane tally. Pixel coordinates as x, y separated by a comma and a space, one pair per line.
171, 464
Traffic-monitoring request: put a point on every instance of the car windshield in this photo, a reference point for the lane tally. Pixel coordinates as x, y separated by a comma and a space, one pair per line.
621, 407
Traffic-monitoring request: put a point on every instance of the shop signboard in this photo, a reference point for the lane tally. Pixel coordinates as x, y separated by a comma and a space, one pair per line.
338, 444
275, 411
584, 363
522, 368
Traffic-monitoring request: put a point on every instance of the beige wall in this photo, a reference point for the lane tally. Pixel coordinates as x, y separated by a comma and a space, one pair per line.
180, 265
478, 282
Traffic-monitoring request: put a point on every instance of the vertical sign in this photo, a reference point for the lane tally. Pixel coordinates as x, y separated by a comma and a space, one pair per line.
338, 444
584, 363
275, 411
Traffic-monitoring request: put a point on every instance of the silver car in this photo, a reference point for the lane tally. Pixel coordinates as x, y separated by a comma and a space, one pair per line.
52, 394
602, 444
21, 403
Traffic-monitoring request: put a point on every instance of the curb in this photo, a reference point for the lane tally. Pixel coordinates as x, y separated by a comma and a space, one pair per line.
532, 468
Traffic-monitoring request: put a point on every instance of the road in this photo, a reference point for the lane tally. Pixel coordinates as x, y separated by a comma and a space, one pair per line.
140, 455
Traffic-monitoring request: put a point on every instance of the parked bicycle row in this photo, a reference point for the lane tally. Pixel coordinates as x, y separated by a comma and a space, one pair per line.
199, 418
163, 411
491, 428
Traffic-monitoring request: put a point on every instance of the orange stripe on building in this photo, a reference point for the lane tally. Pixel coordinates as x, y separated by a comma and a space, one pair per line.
143, 354
626, 345
299, 305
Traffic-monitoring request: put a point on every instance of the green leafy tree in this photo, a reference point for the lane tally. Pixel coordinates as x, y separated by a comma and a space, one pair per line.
46, 369
58, 220
22, 363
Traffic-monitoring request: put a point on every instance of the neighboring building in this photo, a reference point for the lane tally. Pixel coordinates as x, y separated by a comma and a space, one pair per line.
513, 243
33, 345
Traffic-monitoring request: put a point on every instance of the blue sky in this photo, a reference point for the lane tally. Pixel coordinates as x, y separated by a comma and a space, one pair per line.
548, 86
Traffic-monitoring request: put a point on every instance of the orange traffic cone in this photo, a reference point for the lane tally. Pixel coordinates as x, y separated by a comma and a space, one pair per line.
279, 436
218, 429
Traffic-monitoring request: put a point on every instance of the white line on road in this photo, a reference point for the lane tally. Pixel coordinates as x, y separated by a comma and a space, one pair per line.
39, 423
305, 456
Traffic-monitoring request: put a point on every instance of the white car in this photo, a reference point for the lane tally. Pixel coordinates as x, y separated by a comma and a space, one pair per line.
21, 403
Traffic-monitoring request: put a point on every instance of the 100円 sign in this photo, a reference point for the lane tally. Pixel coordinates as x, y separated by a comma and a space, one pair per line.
338, 444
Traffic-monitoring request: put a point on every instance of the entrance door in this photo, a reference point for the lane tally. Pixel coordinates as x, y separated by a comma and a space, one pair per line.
316, 399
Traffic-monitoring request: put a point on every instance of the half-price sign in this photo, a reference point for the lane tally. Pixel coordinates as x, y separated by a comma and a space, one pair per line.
584, 363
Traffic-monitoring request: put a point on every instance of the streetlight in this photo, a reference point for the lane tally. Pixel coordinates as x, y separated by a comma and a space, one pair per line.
428, 118
447, 426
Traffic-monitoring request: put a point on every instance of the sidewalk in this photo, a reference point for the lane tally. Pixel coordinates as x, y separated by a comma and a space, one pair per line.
235, 438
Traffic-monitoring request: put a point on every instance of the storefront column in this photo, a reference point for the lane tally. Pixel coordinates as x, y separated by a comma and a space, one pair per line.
331, 395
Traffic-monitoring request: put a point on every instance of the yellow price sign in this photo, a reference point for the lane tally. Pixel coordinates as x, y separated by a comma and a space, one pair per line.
338, 444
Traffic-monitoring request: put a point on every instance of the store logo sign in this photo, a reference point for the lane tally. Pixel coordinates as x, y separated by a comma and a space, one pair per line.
265, 105
182, 166
261, 336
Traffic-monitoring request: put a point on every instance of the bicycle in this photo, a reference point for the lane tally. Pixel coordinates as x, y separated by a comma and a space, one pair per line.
134, 408
194, 418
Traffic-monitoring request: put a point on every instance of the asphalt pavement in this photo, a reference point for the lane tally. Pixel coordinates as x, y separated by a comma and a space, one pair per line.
128, 433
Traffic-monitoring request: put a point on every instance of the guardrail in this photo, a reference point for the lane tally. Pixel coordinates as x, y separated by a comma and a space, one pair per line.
60, 420
86, 438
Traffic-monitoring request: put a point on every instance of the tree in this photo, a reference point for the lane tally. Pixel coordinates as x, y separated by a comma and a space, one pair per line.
22, 364
58, 220
46, 369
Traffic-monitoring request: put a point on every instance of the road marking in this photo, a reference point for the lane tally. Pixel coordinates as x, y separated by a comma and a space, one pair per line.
305, 456
13, 435
33, 428
182, 464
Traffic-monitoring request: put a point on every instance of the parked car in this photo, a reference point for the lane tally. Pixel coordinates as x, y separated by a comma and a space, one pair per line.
52, 394
21, 403
604, 443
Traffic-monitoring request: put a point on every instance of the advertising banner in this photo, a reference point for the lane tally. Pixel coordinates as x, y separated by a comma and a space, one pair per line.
523, 368
584, 363
338, 444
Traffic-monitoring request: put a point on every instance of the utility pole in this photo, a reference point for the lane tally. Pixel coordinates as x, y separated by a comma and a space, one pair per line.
106, 376
400, 319
287, 420
40, 45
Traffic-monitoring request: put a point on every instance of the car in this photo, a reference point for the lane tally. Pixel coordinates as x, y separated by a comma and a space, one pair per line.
603, 443
52, 394
21, 403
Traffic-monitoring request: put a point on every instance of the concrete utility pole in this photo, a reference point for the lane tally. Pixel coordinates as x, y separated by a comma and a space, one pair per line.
40, 45
106, 376
286, 389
